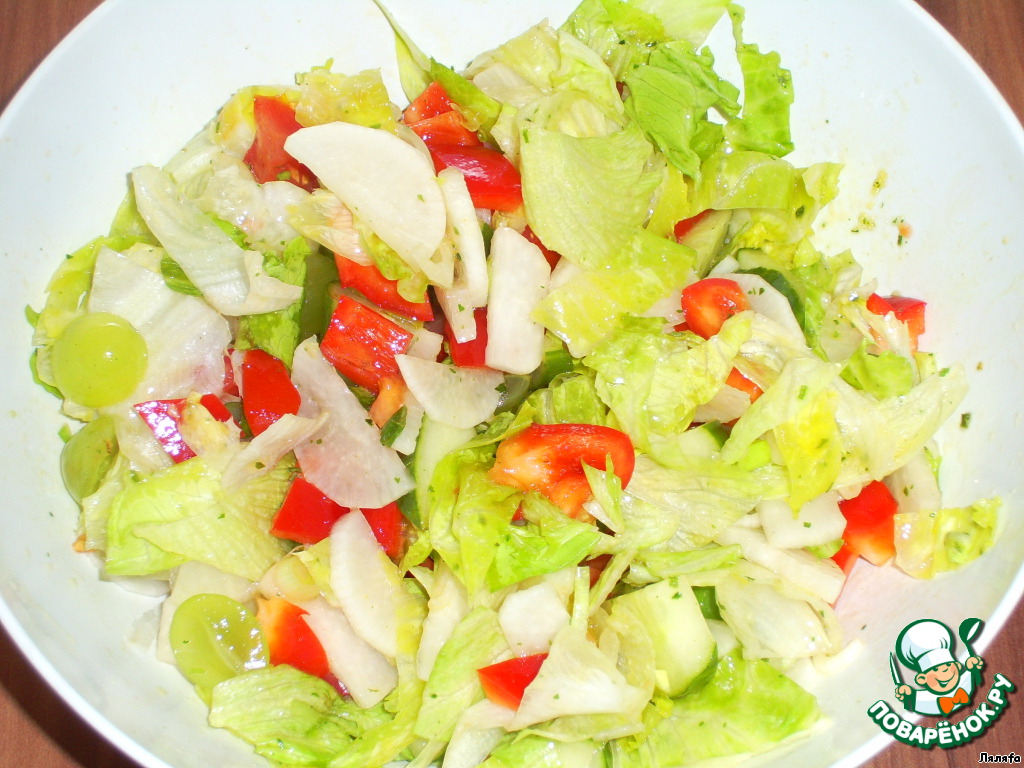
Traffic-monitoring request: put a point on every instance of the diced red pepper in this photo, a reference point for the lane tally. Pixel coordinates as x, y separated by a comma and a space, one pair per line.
266, 157
907, 310
846, 558
388, 402
870, 527
163, 417
684, 227
737, 380
307, 515
267, 390
361, 344
431, 102
505, 683
551, 256
446, 128
369, 281
289, 638
493, 182
708, 303
549, 459
230, 386
472, 353
388, 528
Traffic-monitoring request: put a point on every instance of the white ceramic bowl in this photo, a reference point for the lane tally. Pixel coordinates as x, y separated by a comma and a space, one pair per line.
879, 86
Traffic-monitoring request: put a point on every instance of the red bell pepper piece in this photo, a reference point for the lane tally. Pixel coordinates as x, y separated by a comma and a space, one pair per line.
737, 380
708, 303
388, 528
290, 639
369, 281
361, 344
307, 515
846, 558
683, 228
552, 257
472, 353
432, 102
266, 157
163, 417
446, 128
907, 310
549, 458
505, 683
267, 390
870, 527
492, 180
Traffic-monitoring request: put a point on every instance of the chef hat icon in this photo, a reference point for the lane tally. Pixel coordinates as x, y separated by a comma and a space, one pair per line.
925, 644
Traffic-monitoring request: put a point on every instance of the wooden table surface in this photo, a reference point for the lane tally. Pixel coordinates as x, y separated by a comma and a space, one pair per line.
38, 731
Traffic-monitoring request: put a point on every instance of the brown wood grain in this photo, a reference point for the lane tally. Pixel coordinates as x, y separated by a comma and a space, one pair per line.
37, 730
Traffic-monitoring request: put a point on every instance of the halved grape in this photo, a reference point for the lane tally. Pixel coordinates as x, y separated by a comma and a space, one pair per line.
98, 360
88, 456
214, 638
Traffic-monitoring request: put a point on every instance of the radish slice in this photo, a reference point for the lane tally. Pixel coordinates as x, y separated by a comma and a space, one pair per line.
366, 674
457, 397
519, 280
367, 584
385, 182
470, 284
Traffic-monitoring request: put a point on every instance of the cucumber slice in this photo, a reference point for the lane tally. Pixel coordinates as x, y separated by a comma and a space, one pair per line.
707, 238
434, 442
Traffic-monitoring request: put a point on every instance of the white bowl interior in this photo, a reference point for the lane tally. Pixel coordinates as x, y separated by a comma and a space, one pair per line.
138, 79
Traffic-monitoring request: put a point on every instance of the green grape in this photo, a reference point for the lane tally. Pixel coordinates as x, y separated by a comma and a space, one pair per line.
214, 638
98, 360
88, 456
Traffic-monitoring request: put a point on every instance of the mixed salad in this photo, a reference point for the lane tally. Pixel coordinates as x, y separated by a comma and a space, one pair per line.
522, 426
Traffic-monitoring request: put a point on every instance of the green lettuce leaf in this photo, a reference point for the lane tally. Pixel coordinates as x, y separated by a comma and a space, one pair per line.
653, 381
933, 541
453, 686
549, 542
886, 374
278, 332
583, 222
686, 507
290, 717
517, 751
767, 98
184, 513
670, 97
326, 97
591, 305
746, 708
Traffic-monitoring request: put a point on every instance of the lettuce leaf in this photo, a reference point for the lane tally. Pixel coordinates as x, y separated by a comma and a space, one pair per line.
747, 707
477, 641
670, 97
653, 381
290, 717
583, 222
592, 304
278, 332
326, 96
767, 97
549, 542
184, 513
929, 542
